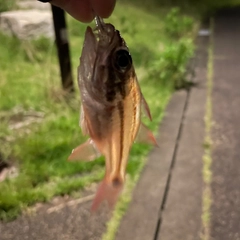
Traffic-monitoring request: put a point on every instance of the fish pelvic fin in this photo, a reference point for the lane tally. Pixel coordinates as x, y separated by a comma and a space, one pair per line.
145, 136
84, 152
108, 191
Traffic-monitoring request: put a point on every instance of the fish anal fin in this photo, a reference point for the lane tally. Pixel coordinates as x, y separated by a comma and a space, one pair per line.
146, 108
109, 192
145, 136
84, 152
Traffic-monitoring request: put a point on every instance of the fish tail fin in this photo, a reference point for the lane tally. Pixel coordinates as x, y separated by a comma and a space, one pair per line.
108, 191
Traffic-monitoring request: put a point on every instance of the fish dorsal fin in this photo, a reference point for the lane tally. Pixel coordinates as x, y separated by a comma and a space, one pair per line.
145, 136
84, 152
146, 108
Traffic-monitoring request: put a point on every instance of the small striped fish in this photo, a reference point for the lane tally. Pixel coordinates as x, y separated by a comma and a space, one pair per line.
111, 107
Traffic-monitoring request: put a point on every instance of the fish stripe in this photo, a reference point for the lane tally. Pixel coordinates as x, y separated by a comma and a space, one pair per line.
134, 111
110, 155
121, 117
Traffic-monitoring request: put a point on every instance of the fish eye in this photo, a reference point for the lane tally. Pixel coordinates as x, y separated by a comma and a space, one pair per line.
123, 60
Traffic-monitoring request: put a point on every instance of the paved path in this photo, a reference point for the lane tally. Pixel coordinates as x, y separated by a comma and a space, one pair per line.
226, 129
62, 221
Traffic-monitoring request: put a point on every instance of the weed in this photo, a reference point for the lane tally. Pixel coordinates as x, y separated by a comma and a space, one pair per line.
178, 25
170, 67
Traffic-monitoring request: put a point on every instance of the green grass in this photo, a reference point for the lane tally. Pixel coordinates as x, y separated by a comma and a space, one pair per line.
7, 5
207, 158
29, 82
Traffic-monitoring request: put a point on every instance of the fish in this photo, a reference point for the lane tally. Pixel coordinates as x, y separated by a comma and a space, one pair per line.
111, 107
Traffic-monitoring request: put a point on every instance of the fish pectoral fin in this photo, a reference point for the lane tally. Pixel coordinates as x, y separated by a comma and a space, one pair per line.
84, 152
146, 108
83, 123
145, 135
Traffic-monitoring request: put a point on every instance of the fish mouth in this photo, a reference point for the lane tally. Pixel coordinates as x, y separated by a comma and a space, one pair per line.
106, 35
102, 27
104, 32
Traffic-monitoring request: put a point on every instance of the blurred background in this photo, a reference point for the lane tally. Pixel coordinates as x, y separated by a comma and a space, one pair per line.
39, 119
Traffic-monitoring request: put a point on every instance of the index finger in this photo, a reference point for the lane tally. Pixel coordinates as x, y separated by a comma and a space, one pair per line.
103, 8
85, 10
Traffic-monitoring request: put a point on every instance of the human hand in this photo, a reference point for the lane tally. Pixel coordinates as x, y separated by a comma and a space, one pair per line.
86, 10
